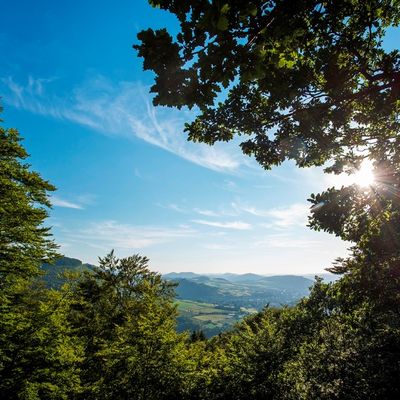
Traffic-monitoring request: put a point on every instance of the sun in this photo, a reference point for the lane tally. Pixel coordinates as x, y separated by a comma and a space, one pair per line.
363, 177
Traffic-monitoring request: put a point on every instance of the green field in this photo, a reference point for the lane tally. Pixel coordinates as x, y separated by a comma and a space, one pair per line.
210, 318
213, 317
195, 307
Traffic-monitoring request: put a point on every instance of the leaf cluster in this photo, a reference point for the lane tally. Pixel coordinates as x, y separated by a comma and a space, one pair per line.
301, 80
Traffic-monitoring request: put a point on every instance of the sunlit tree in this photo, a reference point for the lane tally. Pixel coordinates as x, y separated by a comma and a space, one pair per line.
125, 315
39, 356
25, 243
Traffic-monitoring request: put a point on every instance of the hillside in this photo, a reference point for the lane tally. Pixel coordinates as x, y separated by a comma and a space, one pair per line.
212, 303
247, 290
53, 276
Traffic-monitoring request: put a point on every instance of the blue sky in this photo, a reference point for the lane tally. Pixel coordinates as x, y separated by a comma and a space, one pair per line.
127, 178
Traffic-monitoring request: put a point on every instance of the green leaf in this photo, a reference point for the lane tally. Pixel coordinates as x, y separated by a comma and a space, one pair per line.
223, 23
225, 8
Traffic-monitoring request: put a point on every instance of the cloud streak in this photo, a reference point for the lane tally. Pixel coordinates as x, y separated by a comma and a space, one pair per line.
293, 215
111, 234
121, 109
57, 202
283, 217
238, 225
286, 242
206, 213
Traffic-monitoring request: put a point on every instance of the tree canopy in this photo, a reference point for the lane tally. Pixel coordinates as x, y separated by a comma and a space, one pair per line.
24, 242
125, 315
307, 80
38, 353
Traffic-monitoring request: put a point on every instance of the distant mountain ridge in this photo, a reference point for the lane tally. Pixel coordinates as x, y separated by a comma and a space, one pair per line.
248, 277
181, 275
194, 285
214, 303
210, 302
53, 276
248, 290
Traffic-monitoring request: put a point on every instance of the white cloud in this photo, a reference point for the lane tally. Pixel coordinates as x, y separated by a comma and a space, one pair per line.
111, 234
286, 241
229, 185
176, 208
282, 217
206, 213
239, 225
122, 109
295, 214
57, 202
173, 207
257, 212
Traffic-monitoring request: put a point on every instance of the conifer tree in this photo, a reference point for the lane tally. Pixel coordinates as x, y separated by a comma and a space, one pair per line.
25, 243
39, 358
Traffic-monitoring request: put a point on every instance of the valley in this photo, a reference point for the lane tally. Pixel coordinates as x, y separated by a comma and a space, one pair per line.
214, 303
211, 303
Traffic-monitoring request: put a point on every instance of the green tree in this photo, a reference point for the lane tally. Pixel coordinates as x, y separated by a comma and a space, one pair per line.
253, 359
351, 349
126, 316
197, 335
303, 80
38, 355
24, 242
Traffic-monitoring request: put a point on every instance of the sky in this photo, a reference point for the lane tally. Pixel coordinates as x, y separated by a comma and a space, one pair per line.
126, 177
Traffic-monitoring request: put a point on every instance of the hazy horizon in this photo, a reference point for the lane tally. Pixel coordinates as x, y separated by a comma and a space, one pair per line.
216, 274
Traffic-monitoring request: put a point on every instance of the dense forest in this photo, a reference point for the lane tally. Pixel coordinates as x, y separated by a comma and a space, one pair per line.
314, 73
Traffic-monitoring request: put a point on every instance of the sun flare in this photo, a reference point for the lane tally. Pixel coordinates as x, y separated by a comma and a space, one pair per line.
364, 177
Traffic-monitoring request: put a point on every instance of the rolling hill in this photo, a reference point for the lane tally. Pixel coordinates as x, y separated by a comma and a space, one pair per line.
212, 303
53, 273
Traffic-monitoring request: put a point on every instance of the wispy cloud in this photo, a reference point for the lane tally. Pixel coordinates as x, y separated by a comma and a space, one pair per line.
229, 186
206, 213
57, 202
176, 208
286, 242
295, 214
218, 247
86, 199
283, 217
121, 109
111, 234
239, 225
173, 207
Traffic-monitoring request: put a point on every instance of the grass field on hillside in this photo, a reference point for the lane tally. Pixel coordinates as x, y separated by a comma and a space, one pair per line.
195, 307
210, 318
